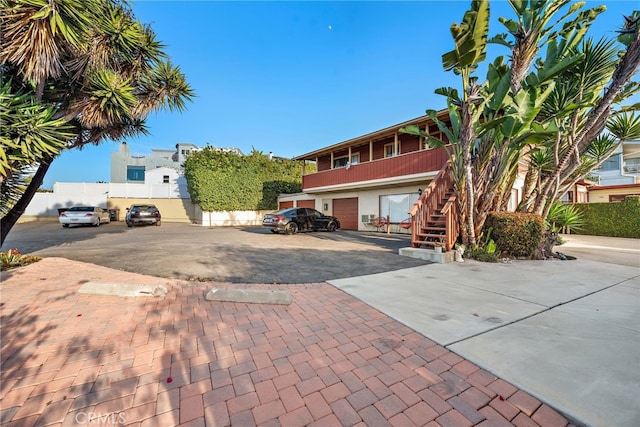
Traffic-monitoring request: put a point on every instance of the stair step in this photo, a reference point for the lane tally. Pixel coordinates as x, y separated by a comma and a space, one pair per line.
431, 235
431, 228
423, 242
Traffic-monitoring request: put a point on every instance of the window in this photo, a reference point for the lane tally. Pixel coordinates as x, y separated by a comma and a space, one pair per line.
135, 173
396, 206
618, 197
567, 198
165, 179
340, 162
611, 164
389, 150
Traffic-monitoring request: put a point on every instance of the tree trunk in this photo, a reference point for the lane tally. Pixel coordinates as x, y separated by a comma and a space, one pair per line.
625, 69
10, 219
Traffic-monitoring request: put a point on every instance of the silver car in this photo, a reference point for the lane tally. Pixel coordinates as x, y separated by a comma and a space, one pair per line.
84, 215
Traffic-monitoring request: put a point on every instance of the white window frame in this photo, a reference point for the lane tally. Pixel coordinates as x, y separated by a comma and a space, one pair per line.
336, 159
389, 150
355, 158
396, 206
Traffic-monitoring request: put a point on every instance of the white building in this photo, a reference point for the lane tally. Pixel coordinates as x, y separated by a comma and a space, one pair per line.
622, 168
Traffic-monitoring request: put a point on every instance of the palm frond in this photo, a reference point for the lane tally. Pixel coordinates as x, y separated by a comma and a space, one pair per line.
625, 126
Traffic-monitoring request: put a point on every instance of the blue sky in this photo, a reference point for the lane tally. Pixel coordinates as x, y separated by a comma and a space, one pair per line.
293, 77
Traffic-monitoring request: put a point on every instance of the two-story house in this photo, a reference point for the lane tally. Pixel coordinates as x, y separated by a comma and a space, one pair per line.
377, 175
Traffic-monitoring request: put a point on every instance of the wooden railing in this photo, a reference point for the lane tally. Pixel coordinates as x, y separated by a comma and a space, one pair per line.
430, 205
399, 166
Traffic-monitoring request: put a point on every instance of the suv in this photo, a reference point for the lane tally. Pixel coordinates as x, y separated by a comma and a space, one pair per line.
142, 214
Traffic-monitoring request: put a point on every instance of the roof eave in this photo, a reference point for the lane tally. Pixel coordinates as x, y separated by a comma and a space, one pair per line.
369, 136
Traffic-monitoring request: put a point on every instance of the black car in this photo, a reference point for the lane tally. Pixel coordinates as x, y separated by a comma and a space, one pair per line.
143, 214
292, 220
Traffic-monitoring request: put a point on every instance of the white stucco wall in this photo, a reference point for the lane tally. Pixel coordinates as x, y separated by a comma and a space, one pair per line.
230, 218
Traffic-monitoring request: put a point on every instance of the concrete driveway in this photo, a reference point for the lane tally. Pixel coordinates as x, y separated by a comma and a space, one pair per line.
219, 254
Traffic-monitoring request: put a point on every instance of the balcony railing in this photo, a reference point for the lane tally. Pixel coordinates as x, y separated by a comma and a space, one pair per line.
393, 167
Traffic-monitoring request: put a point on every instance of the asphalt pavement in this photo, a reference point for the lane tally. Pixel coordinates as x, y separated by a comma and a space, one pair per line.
217, 254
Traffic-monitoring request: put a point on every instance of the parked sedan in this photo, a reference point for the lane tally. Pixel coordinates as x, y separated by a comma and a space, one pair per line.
143, 214
291, 220
84, 215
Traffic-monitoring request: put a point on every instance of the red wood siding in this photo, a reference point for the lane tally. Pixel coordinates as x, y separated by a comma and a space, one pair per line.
398, 166
378, 147
285, 205
346, 210
364, 152
409, 144
308, 203
324, 163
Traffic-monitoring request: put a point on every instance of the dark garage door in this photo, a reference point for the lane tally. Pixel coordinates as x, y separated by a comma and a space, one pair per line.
346, 210
308, 203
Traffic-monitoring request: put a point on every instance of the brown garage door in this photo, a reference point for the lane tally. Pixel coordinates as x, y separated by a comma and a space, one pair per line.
308, 203
346, 210
285, 205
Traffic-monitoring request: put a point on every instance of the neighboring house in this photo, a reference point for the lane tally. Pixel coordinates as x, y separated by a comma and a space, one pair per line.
377, 175
579, 193
127, 167
612, 193
617, 178
622, 168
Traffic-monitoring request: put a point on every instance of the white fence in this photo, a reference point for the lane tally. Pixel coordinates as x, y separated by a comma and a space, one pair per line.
66, 194
230, 218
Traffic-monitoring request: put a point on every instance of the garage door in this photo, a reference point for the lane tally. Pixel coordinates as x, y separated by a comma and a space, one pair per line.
346, 210
285, 205
308, 203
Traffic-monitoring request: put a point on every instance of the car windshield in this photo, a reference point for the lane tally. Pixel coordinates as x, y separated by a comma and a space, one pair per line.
81, 209
143, 208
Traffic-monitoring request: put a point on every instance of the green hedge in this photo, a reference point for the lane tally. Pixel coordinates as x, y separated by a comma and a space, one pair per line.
611, 219
516, 234
222, 181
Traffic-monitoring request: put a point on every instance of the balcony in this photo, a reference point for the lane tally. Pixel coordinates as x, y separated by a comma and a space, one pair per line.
380, 171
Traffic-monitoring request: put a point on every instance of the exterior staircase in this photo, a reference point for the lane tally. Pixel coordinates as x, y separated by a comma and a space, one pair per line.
434, 216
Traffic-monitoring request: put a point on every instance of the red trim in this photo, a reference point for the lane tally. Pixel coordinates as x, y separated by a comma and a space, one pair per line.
613, 187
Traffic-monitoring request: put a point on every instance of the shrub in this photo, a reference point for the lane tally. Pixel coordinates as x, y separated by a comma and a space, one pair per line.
225, 181
13, 258
516, 234
611, 219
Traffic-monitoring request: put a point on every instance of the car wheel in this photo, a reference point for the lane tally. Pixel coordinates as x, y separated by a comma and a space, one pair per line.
274, 231
291, 228
65, 225
129, 224
97, 224
332, 226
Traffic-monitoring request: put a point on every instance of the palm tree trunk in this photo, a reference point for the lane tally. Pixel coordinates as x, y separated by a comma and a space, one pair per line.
467, 137
11, 218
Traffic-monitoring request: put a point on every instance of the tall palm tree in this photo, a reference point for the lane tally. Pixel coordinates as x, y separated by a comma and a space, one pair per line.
101, 69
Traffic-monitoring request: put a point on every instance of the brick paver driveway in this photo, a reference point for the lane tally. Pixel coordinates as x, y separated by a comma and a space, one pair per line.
327, 359
221, 254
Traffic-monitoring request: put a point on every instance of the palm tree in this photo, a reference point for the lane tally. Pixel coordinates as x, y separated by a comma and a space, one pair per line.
100, 69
